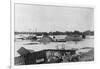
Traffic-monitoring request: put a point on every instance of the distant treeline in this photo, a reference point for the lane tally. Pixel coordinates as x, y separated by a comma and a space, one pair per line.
88, 32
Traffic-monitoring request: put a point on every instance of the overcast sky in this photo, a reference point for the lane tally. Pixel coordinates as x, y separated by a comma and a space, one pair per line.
52, 18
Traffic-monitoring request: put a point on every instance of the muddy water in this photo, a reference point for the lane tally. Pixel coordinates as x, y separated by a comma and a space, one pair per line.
36, 46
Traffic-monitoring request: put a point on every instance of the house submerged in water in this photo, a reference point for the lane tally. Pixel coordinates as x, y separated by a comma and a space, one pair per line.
28, 57
74, 38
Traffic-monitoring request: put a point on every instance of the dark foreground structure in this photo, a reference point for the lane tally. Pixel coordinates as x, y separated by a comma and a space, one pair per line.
47, 56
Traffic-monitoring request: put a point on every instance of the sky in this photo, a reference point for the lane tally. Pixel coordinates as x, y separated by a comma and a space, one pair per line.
41, 18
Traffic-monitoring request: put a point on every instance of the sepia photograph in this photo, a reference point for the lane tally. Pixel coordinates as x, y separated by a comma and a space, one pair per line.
45, 34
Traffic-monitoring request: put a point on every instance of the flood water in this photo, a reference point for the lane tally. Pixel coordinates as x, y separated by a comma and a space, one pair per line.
36, 46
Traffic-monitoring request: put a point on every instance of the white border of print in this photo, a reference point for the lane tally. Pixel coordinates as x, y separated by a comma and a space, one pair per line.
44, 66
